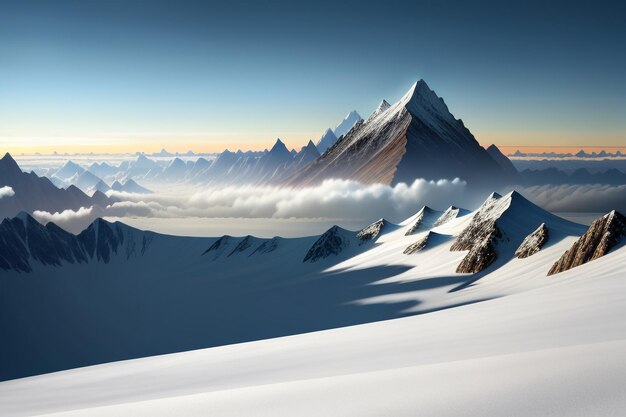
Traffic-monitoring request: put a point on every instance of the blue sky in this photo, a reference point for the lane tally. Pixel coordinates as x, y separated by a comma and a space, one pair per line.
139, 74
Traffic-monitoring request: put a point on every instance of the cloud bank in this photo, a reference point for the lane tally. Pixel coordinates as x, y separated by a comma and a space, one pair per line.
6, 191
578, 198
334, 199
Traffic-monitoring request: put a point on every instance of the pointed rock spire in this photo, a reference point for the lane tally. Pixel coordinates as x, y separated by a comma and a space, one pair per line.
382, 107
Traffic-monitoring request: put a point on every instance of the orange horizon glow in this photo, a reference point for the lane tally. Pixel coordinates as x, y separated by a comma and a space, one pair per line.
508, 142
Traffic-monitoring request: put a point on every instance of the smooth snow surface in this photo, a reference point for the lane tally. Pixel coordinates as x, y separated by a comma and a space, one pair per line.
557, 350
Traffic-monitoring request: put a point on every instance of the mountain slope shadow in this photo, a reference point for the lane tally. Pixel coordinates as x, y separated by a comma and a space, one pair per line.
85, 314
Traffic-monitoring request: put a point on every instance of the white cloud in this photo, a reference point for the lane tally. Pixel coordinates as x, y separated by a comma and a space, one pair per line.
334, 199
71, 220
337, 200
6, 191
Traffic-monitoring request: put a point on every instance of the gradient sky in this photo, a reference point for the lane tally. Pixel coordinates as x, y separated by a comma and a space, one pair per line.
135, 75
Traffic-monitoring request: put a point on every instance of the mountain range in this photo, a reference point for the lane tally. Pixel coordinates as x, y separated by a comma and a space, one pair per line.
155, 294
39, 193
417, 137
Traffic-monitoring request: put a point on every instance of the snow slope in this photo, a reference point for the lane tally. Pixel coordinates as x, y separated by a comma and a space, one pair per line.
555, 350
506, 341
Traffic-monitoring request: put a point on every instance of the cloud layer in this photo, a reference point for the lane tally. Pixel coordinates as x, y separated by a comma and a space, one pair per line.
578, 198
334, 199
6, 191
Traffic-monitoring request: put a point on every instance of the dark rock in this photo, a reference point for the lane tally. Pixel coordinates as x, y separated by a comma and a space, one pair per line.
479, 238
417, 246
218, 244
533, 242
448, 215
244, 244
603, 234
332, 242
267, 246
480, 256
419, 221
372, 231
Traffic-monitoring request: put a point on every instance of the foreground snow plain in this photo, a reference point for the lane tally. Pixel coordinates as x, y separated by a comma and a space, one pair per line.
518, 343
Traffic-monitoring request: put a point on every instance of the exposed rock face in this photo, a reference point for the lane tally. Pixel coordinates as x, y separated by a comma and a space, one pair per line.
218, 244
480, 256
382, 107
419, 221
451, 213
603, 234
533, 242
372, 231
417, 246
23, 239
479, 238
332, 242
244, 244
417, 137
267, 246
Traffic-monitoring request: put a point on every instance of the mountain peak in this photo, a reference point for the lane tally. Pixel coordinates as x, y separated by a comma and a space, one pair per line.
7, 158
420, 95
382, 107
279, 146
23, 216
7, 161
70, 164
347, 123
327, 140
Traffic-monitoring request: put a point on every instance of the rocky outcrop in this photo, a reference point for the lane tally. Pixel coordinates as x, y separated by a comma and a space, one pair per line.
417, 137
603, 234
218, 244
244, 244
23, 239
420, 220
480, 256
451, 213
533, 242
332, 242
372, 231
479, 238
267, 246
417, 246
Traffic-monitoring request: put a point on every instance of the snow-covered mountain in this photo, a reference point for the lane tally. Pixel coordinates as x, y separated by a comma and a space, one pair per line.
154, 294
381, 108
307, 154
327, 140
130, 186
417, 137
347, 123
69, 170
39, 193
